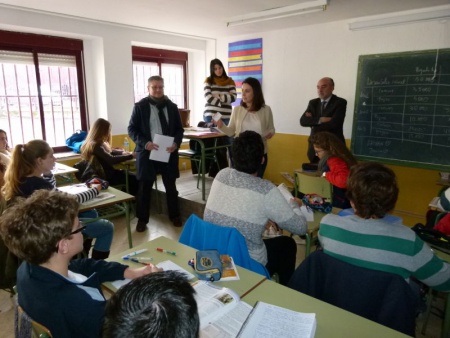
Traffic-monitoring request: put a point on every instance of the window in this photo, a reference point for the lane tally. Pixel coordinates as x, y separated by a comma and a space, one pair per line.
171, 65
41, 88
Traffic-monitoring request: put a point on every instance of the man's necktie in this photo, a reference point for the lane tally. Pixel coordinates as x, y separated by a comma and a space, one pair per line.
324, 103
162, 119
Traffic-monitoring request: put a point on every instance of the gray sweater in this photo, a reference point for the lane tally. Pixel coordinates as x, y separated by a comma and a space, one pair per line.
247, 202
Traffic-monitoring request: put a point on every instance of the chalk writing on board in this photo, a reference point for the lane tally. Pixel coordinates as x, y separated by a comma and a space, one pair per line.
402, 111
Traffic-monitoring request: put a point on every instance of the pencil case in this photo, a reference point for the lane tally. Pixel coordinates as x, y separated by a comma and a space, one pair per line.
208, 265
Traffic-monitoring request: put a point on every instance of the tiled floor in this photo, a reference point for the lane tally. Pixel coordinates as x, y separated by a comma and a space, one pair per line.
160, 225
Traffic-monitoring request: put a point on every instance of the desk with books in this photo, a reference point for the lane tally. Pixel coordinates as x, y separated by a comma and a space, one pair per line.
248, 280
109, 207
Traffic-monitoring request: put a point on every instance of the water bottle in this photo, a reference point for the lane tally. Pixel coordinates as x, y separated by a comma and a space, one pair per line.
126, 144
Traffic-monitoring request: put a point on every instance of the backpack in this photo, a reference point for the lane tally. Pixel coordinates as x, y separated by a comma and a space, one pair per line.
75, 141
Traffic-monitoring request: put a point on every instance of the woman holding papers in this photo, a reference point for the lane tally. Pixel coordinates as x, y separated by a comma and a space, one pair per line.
30, 170
220, 92
335, 161
97, 146
253, 114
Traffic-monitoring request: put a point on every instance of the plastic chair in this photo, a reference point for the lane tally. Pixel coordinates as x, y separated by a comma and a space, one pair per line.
202, 235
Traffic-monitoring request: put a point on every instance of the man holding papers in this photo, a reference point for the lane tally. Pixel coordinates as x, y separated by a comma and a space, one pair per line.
156, 117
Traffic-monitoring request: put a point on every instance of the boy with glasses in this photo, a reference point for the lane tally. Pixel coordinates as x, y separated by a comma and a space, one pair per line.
62, 294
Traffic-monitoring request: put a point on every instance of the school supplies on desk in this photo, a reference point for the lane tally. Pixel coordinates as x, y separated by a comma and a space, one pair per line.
173, 253
135, 253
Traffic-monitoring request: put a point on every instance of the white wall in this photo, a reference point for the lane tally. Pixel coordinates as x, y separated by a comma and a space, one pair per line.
108, 63
295, 59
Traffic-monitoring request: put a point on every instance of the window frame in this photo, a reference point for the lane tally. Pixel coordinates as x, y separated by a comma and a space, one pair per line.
160, 56
46, 44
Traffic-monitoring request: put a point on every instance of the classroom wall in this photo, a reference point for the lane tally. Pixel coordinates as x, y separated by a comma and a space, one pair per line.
295, 59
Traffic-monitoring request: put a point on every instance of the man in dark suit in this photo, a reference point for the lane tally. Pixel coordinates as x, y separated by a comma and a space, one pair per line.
326, 113
155, 114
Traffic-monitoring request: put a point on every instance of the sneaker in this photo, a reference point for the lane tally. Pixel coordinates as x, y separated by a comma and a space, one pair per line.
141, 226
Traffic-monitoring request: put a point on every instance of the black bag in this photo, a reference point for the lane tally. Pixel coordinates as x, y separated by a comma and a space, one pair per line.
89, 169
433, 237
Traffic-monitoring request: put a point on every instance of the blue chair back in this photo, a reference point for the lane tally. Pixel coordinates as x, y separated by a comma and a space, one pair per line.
202, 235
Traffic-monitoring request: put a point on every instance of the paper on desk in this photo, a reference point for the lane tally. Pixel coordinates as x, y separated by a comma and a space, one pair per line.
166, 266
161, 154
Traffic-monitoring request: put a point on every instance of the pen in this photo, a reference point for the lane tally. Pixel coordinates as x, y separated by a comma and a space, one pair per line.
141, 258
166, 251
136, 261
135, 253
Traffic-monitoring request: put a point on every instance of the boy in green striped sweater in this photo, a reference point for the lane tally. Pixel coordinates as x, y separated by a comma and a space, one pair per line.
365, 239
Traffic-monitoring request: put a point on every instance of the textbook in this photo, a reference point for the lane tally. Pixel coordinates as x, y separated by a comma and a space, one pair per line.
229, 271
266, 320
220, 309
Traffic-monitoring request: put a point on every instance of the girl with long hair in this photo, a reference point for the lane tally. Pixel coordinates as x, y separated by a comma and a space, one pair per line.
220, 92
31, 169
335, 161
97, 146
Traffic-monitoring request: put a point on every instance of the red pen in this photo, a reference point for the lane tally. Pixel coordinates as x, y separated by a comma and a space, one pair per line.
166, 251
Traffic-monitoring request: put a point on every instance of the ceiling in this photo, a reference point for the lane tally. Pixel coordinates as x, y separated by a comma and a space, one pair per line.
208, 18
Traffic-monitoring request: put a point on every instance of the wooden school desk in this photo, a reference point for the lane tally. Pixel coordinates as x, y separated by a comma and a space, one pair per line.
331, 320
248, 279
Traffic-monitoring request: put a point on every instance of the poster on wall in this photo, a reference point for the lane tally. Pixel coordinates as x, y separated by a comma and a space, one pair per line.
244, 60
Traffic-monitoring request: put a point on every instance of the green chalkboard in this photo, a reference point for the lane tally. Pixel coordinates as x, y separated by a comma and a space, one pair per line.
402, 109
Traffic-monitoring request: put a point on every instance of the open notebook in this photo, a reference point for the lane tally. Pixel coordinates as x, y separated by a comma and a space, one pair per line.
79, 188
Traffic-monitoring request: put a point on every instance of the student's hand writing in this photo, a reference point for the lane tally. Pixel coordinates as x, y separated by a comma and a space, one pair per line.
139, 272
97, 186
219, 123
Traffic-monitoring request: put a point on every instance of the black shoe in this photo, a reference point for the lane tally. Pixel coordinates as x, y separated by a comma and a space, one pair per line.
141, 226
177, 222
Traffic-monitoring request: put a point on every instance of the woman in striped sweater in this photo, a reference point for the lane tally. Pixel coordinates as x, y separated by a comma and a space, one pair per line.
30, 170
220, 92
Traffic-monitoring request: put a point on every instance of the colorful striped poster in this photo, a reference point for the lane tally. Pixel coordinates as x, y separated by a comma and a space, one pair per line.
244, 60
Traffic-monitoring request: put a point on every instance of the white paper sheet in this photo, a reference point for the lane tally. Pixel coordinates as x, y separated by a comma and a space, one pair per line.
161, 154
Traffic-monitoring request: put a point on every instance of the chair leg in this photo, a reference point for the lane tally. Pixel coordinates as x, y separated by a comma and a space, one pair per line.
427, 311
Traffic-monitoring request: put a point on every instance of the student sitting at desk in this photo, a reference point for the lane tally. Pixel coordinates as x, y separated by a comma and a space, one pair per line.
5, 151
365, 240
97, 147
335, 161
240, 199
30, 170
160, 304
62, 294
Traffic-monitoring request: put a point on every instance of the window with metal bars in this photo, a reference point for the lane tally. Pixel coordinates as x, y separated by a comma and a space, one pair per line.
170, 65
41, 88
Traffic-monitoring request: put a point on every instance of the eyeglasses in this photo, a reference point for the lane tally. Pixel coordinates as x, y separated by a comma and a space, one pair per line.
80, 229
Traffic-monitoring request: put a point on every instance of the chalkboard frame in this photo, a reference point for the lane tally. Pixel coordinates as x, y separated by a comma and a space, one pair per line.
418, 163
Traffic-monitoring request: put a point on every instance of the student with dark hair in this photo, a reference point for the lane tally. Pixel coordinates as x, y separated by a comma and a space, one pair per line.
252, 114
62, 293
220, 92
240, 199
161, 304
366, 240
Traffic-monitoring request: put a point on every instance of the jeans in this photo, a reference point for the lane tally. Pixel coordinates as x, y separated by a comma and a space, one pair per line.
102, 230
